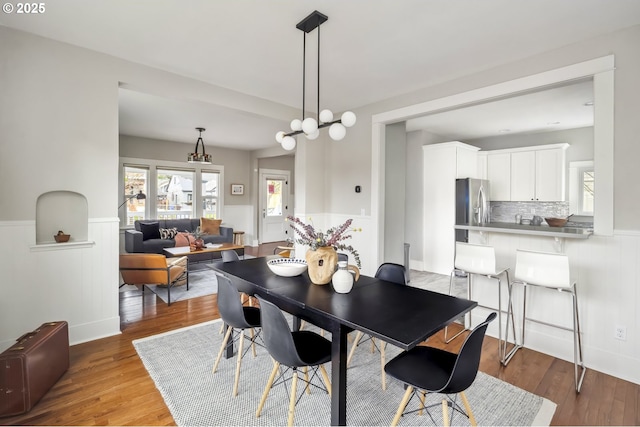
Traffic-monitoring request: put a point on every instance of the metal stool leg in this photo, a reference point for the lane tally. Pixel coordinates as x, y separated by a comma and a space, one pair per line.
464, 318
578, 361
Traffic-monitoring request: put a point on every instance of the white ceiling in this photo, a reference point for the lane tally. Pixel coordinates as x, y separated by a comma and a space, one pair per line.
371, 50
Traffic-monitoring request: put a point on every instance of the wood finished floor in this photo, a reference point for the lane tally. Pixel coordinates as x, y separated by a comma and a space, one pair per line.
107, 384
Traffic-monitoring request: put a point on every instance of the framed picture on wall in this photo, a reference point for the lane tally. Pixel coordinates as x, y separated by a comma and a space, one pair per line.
237, 189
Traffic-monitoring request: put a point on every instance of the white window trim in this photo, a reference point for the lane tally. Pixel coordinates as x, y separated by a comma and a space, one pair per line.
153, 166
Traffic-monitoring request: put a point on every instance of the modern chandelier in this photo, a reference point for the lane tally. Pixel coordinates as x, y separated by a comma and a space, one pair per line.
308, 125
196, 156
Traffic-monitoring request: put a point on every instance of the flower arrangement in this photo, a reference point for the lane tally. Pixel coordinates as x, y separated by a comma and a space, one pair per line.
334, 236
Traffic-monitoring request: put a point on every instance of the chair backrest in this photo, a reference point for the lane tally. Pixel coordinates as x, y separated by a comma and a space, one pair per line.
277, 335
466, 366
343, 257
392, 273
230, 255
476, 259
544, 269
229, 304
144, 269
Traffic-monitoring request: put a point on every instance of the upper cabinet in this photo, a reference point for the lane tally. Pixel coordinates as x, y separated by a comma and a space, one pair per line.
499, 175
528, 174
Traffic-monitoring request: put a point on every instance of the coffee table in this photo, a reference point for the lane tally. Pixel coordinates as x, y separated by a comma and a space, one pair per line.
201, 255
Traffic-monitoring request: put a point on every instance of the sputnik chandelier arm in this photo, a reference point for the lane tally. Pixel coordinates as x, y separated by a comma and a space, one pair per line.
309, 126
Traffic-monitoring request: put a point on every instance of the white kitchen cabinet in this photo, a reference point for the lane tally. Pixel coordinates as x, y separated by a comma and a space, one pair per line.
443, 163
499, 175
538, 175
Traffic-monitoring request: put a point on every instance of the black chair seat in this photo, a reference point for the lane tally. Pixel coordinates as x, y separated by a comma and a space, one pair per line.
312, 348
251, 316
425, 368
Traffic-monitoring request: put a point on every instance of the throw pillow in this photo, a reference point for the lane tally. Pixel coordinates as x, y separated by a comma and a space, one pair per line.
184, 239
210, 226
150, 230
168, 233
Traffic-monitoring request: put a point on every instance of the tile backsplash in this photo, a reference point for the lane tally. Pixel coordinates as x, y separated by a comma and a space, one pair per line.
506, 211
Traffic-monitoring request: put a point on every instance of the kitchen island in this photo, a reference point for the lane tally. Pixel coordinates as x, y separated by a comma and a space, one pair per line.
538, 230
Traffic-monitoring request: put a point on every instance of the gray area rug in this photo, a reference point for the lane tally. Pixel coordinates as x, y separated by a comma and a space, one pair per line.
180, 363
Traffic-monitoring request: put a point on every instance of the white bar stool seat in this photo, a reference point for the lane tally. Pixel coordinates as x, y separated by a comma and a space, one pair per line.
550, 270
481, 260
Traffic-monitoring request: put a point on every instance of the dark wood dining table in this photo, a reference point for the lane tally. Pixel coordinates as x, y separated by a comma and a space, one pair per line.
400, 315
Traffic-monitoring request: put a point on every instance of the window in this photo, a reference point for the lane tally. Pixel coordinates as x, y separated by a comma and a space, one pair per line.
586, 193
274, 197
210, 194
172, 189
581, 187
135, 181
174, 194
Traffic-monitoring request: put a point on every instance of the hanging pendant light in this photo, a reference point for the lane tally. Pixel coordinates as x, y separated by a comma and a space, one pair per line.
196, 156
309, 126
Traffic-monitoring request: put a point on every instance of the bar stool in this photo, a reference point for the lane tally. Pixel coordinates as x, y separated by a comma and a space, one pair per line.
480, 260
550, 270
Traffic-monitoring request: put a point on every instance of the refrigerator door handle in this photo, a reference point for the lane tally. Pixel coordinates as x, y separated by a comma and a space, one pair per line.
483, 214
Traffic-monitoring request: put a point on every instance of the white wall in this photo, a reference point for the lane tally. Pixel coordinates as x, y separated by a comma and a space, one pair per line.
59, 122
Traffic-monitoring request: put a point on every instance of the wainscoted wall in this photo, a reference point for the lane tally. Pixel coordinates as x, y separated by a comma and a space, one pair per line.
76, 283
607, 271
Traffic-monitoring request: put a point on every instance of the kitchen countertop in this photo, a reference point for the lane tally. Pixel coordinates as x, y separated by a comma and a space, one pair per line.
538, 230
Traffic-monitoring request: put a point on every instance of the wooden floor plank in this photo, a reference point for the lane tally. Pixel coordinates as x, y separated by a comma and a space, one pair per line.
107, 383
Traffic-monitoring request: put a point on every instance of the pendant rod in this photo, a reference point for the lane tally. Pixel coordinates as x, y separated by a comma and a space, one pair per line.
318, 110
304, 67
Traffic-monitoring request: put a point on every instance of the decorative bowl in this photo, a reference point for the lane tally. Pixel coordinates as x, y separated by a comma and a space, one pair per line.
556, 222
287, 267
62, 238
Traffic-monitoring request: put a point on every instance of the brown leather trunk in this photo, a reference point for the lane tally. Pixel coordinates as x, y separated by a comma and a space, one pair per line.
30, 367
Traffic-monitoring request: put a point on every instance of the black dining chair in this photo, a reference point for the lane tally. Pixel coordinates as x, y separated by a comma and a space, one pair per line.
390, 272
236, 317
432, 370
298, 349
229, 255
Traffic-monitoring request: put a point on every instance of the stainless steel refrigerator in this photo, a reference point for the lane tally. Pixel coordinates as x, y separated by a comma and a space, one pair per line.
472, 204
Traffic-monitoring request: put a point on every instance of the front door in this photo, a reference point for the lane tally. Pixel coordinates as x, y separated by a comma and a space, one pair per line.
274, 205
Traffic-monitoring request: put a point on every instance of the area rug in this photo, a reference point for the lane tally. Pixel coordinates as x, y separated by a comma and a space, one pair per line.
180, 363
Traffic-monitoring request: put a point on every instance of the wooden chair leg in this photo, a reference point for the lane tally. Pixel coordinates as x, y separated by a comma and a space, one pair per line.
306, 379
272, 377
292, 398
224, 344
403, 404
373, 345
472, 419
253, 343
445, 413
238, 364
325, 377
353, 347
422, 398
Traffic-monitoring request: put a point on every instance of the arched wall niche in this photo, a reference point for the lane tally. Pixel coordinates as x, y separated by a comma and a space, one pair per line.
61, 210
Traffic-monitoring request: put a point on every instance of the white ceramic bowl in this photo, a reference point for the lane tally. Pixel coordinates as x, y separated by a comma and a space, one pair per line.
287, 267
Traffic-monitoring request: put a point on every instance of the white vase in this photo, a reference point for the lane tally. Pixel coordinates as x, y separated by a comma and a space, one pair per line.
342, 279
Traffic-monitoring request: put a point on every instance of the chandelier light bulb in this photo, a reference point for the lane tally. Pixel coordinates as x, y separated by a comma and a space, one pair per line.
309, 125
326, 116
296, 125
314, 135
337, 131
348, 119
288, 143
280, 136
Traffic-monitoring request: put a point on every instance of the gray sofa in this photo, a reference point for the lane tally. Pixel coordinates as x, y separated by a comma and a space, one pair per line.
134, 241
